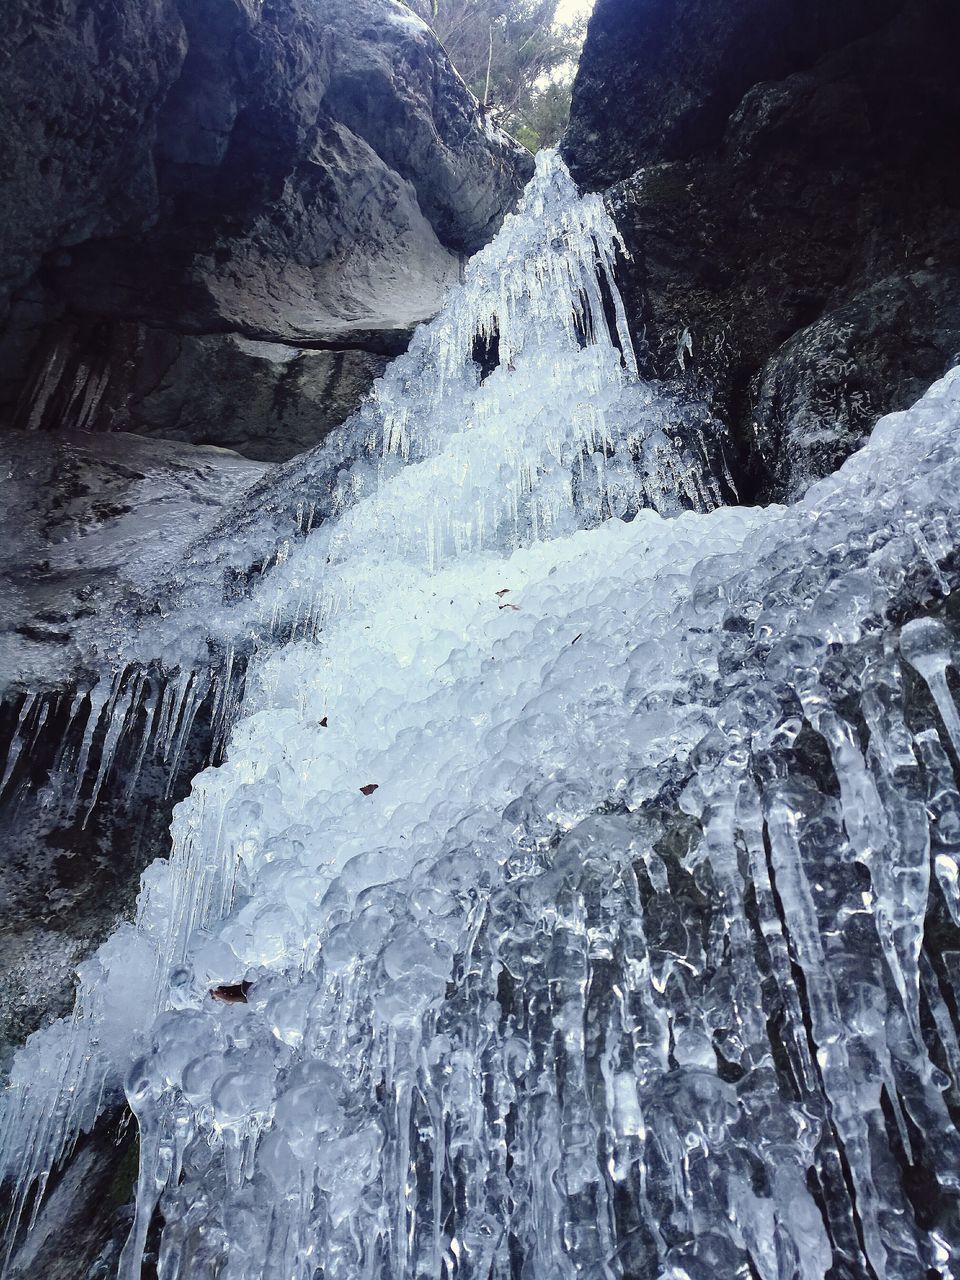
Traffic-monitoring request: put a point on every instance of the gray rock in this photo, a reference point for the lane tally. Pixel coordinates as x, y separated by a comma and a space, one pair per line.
266, 400
86, 519
80, 90
818, 398
768, 164
677, 69
293, 173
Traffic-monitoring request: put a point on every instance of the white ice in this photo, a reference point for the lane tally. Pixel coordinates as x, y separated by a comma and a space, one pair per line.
563, 961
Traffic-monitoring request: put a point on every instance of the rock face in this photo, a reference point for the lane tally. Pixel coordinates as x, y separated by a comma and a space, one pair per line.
819, 397
194, 181
85, 522
783, 175
267, 400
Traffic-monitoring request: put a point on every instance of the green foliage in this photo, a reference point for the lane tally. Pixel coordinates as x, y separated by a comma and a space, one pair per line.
543, 118
515, 57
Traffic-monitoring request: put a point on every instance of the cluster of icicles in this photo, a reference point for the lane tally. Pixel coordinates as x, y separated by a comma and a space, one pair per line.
585, 863
440, 463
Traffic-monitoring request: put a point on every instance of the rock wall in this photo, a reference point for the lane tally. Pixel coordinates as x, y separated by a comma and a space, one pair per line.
784, 175
262, 197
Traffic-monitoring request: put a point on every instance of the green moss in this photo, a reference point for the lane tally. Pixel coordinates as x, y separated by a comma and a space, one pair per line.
124, 1181
664, 184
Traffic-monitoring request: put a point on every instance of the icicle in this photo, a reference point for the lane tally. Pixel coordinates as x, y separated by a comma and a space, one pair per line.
199, 687
925, 643
786, 809
101, 699
149, 704
19, 737
559, 905
118, 713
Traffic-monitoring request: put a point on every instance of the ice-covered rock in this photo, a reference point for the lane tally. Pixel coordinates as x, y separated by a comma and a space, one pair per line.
563, 905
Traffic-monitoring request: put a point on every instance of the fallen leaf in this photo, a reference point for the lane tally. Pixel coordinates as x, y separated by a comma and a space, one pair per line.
514, 607
504, 591
231, 992
370, 788
323, 723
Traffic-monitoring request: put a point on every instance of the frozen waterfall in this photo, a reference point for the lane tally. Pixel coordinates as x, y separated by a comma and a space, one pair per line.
580, 893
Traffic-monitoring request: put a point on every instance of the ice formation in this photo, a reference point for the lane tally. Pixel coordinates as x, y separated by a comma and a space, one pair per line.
583, 868
440, 462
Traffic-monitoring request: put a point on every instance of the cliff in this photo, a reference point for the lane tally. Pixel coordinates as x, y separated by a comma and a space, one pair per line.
783, 175
220, 219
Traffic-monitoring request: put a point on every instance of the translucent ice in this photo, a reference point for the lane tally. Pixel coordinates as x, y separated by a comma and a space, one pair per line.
563, 906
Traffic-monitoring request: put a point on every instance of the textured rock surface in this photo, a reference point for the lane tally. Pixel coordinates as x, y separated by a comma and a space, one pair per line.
818, 398
87, 519
684, 65
84, 522
770, 164
267, 400
80, 90
287, 173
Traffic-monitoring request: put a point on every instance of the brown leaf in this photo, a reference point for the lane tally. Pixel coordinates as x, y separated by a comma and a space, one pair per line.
504, 591
514, 607
231, 992
370, 788
323, 723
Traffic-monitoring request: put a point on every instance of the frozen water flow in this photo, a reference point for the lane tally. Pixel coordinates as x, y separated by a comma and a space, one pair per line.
440, 462
562, 906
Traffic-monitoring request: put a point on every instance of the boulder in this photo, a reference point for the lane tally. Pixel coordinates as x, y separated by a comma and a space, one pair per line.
769, 164
291, 173
817, 399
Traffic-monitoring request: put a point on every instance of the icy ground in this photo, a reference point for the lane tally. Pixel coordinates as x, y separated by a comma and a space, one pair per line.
580, 890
